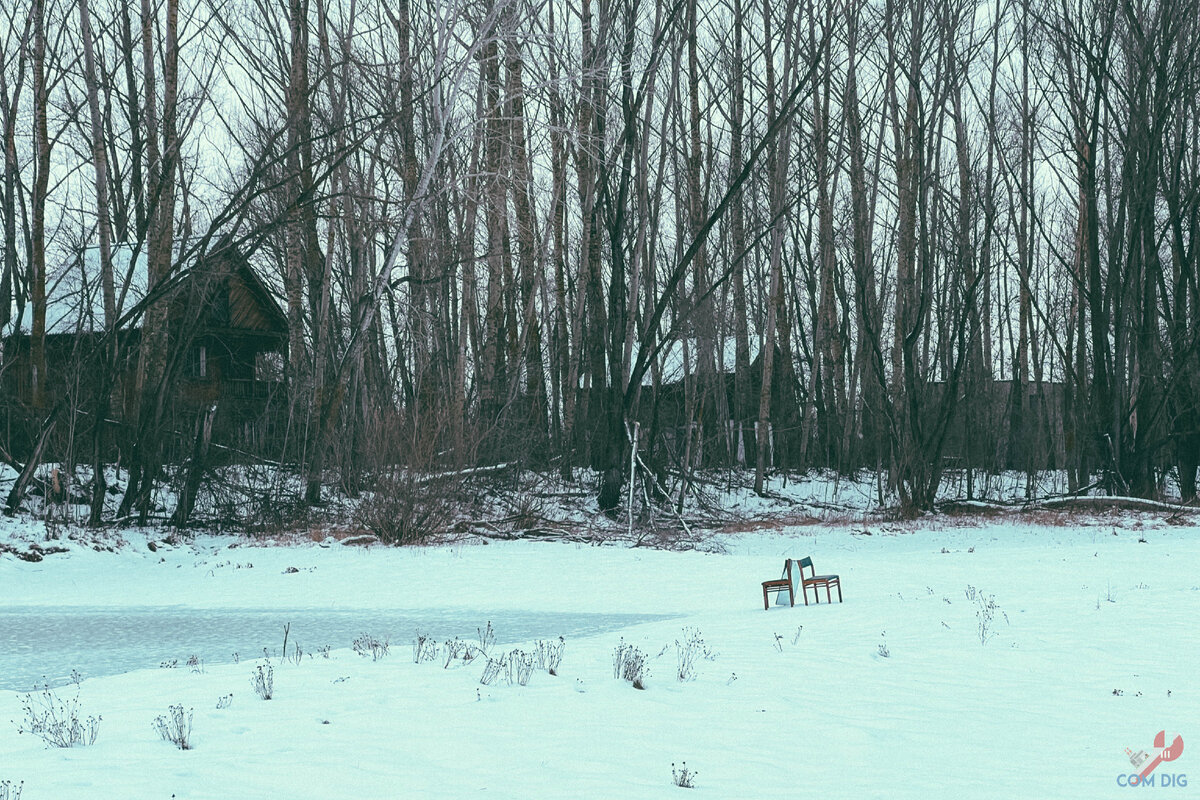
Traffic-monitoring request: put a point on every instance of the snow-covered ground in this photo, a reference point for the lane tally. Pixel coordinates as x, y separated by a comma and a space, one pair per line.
1091, 648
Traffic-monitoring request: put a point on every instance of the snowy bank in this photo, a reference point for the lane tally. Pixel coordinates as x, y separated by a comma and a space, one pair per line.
998, 660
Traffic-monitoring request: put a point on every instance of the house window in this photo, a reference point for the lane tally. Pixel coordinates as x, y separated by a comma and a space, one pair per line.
268, 367
200, 362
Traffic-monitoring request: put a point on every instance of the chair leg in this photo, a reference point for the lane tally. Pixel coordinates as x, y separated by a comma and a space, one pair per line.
828, 596
765, 606
839, 591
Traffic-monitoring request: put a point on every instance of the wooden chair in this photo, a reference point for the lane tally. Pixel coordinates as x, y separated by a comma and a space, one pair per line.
817, 581
783, 584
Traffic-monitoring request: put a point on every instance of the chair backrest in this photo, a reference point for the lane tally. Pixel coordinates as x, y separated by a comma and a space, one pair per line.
806, 562
792, 577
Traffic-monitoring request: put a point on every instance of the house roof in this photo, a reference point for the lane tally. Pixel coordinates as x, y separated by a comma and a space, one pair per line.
263, 312
75, 302
672, 361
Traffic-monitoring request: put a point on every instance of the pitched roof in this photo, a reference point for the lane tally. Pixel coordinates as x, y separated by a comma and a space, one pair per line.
75, 301
672, 361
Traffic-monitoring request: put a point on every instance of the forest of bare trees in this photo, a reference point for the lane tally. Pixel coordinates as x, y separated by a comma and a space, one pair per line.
635, 237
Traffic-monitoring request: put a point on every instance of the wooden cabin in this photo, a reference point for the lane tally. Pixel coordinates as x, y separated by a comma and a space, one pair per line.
226, 346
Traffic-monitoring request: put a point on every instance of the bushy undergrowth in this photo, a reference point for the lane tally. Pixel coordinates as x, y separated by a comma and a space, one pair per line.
689, 650
683, 777
985, 613
424, 649
491, 670
175, 727
367, 645
487, 638
296, 656
263, 681
629, 664
549, 654
456, 650
512, 667
269, 514
520, 666
58, 721
515, 666
407, 508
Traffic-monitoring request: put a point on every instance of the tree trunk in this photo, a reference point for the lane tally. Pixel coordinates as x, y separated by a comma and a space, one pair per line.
41, 183
742, 390
104, 229
535, 426
196, 467
778, 170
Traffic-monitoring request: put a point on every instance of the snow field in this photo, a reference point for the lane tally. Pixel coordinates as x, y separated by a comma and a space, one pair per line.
795, 700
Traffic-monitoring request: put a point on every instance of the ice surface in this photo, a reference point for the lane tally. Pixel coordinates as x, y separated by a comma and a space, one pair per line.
41, 644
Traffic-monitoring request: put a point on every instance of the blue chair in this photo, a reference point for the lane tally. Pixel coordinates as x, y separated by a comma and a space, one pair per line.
817, 581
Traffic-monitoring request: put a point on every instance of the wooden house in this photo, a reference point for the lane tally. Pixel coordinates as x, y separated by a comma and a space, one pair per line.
226, 345
715, 436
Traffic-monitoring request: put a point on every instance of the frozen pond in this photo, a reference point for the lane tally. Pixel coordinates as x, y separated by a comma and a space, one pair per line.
43, 644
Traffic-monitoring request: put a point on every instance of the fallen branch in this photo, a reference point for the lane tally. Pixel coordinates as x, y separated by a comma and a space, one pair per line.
464, 473
1115, 502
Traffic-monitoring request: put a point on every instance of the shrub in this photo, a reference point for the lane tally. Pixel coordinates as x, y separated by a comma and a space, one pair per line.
297, 655
408, 507
688, 651
176, 727
985, 612
629, 664
683, 777
514, 667
520, 667
492, 669
548, 654
272, 513
367, 645
10, 791
225, 701
263, 681
58, 721
527, 514
487, 638
424, 649
778, 643
457, 650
